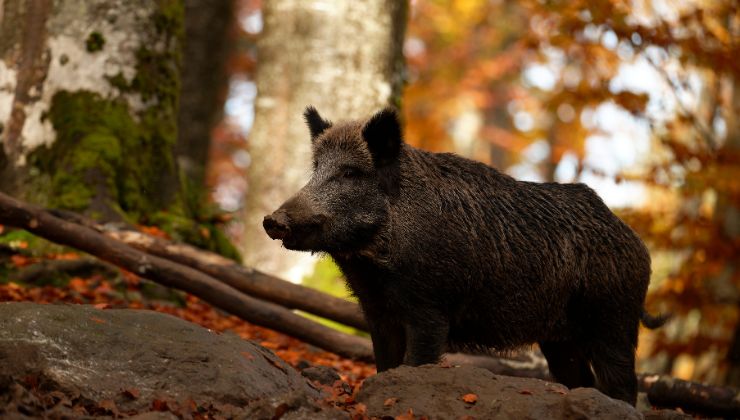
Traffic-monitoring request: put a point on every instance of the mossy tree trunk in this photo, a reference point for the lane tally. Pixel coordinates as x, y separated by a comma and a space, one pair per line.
345, 58
88, 104
89, 107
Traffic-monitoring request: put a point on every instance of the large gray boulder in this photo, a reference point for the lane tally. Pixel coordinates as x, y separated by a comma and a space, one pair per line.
135, 358
438, 393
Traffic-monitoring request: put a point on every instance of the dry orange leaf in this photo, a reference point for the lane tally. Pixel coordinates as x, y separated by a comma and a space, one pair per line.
470, 398
390, 402
409, 415
132, 393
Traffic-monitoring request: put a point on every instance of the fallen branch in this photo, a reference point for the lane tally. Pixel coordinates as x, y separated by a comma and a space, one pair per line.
669, 392
42, 223
248, 280
48, 268
244, 279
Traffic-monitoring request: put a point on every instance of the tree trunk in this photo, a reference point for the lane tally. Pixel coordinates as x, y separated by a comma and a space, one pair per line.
88, 104
345, 58
204, 81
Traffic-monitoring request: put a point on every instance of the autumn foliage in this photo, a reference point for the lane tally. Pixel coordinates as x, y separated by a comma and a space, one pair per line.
498, 80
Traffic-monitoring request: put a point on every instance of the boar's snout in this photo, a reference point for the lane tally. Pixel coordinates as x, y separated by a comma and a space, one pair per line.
297, 224
276, 225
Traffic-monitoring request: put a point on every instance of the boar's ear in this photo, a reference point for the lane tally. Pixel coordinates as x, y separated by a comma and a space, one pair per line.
316, 124
382, 132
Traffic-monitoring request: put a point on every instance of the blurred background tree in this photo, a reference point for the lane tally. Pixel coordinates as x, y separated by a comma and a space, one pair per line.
637, 99
342, 57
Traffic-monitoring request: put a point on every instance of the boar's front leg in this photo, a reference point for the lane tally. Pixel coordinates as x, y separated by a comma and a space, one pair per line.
389, 343
426, 339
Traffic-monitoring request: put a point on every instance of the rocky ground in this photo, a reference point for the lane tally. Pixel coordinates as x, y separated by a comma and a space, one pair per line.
79, 361
127, 348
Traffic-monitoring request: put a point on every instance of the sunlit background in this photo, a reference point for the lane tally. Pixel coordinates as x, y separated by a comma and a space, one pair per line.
634, 99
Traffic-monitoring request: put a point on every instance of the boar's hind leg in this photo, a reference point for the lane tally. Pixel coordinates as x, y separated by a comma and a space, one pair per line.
567, 364
614, 365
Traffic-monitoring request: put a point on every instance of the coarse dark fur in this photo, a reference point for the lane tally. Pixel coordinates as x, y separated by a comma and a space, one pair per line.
446, 253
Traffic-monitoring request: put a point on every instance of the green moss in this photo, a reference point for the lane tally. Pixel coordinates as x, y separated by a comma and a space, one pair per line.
19, 239
28, 243
119, 81
95, 42
93, 137
169, 18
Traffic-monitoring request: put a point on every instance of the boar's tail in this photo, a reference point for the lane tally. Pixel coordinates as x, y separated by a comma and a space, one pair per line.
653, 322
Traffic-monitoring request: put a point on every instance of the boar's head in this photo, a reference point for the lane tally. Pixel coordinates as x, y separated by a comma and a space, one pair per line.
355, 177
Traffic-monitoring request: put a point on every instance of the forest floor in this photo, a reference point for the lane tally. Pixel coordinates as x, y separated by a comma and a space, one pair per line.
126, 290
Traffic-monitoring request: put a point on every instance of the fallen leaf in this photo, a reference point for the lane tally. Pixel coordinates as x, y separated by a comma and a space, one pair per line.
390, 402
109, 405
525, 392
132, 393
159, 405
470, 398
102, 305
360, 409
21, 260
98, 320
409, 415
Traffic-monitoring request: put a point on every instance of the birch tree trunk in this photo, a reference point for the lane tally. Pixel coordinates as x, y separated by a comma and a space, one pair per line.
88, 104
345, 58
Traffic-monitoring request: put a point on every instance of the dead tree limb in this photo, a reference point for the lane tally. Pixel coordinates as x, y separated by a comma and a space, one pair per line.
250, 281
708, 400
42, 223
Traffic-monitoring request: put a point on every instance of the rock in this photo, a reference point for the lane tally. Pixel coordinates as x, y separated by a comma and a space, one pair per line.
666, 415
134, 357
295, 406
321, 374
443, 393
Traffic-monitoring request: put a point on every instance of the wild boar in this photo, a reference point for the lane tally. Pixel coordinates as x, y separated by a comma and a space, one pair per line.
445, 253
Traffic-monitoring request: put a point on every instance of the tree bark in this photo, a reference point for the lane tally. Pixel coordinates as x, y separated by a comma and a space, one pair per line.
89, 92
345, 58
208, 25
39, 222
